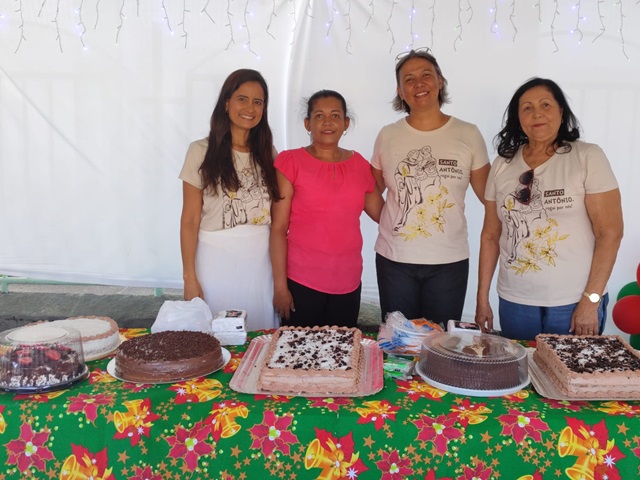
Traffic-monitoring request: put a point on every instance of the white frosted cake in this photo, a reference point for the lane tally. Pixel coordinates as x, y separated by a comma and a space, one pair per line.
589, 366
316, 360
100, 335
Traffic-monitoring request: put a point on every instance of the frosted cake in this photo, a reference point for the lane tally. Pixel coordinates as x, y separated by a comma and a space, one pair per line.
100, 335
316, 360
589, 366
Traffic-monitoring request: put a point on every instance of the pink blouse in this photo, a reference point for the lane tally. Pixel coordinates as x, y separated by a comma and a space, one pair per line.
324, 238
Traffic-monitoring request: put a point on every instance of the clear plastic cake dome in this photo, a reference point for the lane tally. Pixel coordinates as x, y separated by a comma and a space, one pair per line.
474, 361
41, 357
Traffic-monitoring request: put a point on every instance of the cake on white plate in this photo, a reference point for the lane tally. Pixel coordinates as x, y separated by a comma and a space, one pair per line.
100, 335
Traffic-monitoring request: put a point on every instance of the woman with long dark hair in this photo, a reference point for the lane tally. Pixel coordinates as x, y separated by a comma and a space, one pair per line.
229, 182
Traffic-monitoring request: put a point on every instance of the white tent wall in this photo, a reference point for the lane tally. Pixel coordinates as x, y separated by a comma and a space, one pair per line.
99, 101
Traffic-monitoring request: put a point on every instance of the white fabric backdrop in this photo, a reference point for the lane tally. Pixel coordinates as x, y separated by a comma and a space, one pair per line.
98, 102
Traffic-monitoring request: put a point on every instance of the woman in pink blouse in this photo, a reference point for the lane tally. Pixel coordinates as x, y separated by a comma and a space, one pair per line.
315, 242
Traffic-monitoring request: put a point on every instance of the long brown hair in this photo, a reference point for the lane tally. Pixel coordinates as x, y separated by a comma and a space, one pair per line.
217, 167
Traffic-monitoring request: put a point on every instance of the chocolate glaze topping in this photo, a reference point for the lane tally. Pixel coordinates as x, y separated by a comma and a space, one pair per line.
594, 354
168, 346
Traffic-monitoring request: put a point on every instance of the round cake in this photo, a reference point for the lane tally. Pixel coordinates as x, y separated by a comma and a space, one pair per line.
473, 361
100, 335
40, 358
169, 356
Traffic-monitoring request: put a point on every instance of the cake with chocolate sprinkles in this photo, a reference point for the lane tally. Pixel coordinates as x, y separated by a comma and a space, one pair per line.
589, 366
318, 360
169, 356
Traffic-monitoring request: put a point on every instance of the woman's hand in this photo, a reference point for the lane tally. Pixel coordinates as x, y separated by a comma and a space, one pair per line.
192, 289
283, 303
584, 320
484, 315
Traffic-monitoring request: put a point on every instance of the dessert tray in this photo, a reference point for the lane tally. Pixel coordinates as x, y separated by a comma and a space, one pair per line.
546, 388
226, 356
245, 379
471, 392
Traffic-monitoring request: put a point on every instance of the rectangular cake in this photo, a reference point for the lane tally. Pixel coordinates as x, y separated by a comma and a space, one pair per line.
316, 360
589, 366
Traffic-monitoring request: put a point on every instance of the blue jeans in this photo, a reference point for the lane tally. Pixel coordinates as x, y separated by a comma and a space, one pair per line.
435, 292
524, 322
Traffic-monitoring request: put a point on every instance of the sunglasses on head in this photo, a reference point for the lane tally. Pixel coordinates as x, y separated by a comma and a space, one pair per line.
413, 51
524, 194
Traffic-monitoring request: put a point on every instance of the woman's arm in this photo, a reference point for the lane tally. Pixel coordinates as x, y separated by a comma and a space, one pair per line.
489, 253
189, 227
280, 214
377, 174
373, 203
478, 181
605, 213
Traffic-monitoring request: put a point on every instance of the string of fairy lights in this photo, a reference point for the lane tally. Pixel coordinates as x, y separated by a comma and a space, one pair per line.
337, 10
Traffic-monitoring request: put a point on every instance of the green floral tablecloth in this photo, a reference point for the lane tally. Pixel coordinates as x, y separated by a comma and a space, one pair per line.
103, 428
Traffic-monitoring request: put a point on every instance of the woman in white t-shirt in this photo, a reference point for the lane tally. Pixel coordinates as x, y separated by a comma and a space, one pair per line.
229, 182
426, 161
553, 221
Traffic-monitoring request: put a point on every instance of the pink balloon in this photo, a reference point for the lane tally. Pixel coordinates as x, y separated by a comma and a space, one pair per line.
626, 314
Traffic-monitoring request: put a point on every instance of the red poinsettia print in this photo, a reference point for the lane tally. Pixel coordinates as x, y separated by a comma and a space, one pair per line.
377, 412
144, 474
479, 472
536, 476
190, 445
393, 467
329, 403
336, 457
82, 464
438, 430
39, 397
273, 434
88, 404
521, 425
468, 412
222, 421
417, 389
29, 450
431, 475
595, 452
136, 421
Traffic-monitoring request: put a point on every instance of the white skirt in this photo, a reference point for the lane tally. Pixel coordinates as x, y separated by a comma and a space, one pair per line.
234, 270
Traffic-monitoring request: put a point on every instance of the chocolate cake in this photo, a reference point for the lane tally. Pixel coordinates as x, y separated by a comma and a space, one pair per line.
316, 360
169, 356
589, 366
473, 361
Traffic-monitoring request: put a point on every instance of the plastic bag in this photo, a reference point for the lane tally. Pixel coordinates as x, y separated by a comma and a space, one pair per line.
193, 315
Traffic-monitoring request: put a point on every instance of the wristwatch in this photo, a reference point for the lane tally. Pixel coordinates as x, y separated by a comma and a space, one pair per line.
593, 297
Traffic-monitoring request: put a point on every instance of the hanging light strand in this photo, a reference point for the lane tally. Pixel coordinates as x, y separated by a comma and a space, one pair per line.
121, 22
246, 26
622, 17
348, 18
55, 22
389, 29
271, 17
229, 15
601, 18
97, 14
81, 24
553, 26
295, 22
206, 12
494, 23
19, 11
512, 19
539, 11
166, 17
330, 22
576, 29
182, 24
412, 17
433, 20
459, 26
372, 11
